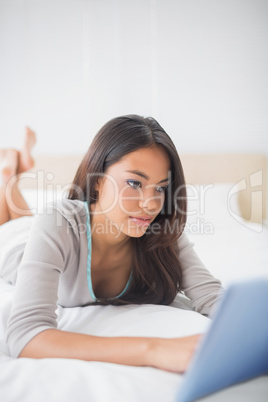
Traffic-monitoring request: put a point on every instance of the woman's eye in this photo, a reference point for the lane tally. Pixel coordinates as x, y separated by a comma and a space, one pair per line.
134, 183
161, 189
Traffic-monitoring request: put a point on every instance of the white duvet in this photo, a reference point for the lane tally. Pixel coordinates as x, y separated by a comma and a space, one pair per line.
29, 380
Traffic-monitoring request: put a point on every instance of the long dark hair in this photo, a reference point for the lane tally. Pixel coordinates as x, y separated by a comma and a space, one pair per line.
156, 273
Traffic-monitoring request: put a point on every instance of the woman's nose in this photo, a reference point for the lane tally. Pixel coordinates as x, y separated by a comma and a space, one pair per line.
150, 203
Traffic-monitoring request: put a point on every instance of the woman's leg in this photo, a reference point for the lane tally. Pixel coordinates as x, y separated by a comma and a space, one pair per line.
8, 168
4, 213
12, 163
26, 161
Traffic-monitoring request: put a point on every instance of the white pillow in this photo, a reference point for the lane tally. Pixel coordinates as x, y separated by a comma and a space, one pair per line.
210, 205
37, 199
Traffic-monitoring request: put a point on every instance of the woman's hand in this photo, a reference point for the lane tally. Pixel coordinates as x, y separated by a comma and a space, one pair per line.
173, 354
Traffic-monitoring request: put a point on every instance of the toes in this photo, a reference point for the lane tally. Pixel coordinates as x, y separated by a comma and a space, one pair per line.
30, 138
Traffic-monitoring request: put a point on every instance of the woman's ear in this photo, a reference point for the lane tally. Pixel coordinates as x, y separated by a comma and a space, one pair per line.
98, 185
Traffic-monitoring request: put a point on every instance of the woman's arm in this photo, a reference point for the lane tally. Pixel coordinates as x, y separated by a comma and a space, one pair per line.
202, 288
34, 305
166, 354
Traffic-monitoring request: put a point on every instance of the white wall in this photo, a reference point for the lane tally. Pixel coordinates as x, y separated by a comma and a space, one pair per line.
198, 66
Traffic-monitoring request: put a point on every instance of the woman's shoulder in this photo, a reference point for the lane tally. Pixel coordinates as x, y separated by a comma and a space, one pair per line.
67, 207
73, 211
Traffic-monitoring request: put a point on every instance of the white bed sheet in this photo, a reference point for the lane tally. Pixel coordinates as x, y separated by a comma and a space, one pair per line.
29, 380
233, 251
230, 247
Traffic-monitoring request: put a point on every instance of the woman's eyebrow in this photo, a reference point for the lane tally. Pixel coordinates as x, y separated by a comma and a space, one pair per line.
141, 174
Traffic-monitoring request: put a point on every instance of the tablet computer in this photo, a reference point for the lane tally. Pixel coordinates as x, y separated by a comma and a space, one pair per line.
235, 347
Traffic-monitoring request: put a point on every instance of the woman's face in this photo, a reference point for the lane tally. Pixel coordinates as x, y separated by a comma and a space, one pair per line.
132, 192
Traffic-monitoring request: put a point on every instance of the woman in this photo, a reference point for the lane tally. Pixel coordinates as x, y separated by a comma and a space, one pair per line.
117, 239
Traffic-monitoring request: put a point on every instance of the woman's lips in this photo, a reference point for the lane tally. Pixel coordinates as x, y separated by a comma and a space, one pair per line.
141, 220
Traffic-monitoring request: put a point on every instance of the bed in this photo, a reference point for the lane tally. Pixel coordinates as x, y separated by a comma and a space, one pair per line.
226, 221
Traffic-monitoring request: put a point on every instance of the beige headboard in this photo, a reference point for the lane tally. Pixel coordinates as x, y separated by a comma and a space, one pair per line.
247, 170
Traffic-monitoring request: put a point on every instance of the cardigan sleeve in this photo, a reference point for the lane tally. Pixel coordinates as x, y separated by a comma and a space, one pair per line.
36, 292
198, 284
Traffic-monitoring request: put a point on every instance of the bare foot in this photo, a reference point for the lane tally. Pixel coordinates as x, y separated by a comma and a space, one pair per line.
26, 160
8, 164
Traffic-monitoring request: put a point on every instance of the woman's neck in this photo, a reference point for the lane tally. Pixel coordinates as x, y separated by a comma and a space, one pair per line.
106, 236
